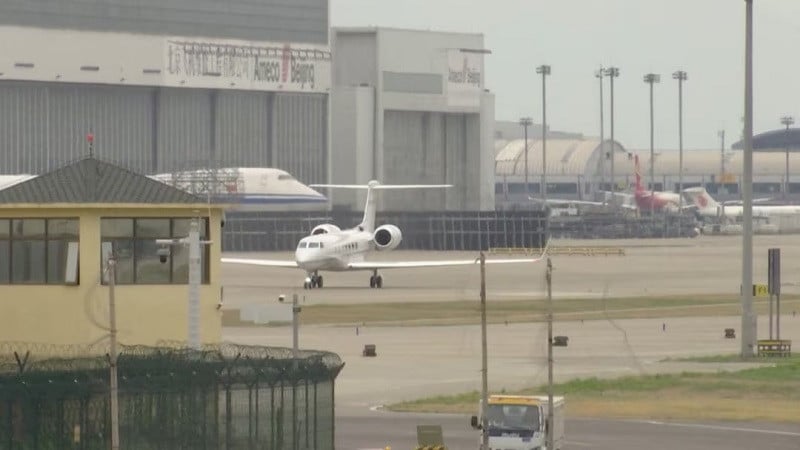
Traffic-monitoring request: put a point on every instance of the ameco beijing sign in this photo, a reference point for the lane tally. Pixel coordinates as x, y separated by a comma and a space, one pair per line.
464, 78
244, 65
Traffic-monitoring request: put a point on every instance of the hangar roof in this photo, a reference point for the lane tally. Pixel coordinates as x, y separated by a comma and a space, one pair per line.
90, 180
774, 140
708, 162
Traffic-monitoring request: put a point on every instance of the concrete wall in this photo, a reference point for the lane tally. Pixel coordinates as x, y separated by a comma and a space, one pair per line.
295, 21
352, 142
355, 59
426, 131
56, 314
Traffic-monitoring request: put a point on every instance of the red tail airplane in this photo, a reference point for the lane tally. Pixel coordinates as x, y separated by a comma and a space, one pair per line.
656, 201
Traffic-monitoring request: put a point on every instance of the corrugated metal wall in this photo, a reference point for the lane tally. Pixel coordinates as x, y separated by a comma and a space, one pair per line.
152, 130
184, 136
243, 128
43, 126
265, 20
299, 139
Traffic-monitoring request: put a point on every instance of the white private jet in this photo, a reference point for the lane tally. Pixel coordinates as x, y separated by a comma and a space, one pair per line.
330, 248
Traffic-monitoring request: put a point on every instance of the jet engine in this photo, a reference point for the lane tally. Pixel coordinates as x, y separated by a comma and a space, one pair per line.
325, 228
387, 237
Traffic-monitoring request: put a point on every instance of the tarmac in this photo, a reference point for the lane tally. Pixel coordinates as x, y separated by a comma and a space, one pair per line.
420, 361
705, 265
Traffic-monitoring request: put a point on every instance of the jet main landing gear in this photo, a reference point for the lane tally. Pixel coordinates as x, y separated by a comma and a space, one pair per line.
313, 281
375, 281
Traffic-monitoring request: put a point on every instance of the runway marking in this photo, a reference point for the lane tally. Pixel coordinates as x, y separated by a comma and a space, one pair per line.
719, 427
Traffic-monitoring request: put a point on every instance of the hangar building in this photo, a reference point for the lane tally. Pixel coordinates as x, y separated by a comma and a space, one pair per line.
166, 86
576, 170
410, 107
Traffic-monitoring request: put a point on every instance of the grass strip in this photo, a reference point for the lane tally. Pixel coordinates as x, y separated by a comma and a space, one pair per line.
516, 311
769, 393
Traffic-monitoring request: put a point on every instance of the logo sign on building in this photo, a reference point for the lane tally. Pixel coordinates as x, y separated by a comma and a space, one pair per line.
464, 78
246, 65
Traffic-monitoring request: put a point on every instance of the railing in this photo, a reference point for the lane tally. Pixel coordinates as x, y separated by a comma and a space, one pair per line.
561, 250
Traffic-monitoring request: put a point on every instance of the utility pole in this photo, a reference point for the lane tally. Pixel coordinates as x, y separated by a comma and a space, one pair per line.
112, 313
749, 325
484, 362
544, 70
193, 309
550, 407
295, 328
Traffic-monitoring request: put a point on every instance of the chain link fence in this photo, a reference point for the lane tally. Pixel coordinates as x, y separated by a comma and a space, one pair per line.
219, 397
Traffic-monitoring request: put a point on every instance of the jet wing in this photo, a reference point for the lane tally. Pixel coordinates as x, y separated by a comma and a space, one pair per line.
373, 265
261, 262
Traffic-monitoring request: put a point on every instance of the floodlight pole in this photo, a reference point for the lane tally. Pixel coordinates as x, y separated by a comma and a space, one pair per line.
680, 75
526, 122
193, 312
544, 70
484, 361
611, 73
112, 313
550, 407
788, 121
652, 78
599, 75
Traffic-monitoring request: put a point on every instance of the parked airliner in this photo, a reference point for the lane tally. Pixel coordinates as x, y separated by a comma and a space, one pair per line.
329, 248
708, 208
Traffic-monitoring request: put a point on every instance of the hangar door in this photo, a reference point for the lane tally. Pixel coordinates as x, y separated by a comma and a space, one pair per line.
425, 148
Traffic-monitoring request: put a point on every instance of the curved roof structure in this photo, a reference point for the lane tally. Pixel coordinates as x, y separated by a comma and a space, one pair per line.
564, 157
708, 162
774, 140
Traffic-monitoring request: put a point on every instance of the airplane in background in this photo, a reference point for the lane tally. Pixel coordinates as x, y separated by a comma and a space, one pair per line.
657, 201
732, 211
248, 189
329, 248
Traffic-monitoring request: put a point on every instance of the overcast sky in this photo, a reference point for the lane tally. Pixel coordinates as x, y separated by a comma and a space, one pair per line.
705, 38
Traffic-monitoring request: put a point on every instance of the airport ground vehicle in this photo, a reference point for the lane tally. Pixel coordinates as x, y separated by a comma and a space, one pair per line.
517, 422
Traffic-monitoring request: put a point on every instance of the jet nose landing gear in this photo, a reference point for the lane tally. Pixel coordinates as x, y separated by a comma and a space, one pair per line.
312, 281
375, 281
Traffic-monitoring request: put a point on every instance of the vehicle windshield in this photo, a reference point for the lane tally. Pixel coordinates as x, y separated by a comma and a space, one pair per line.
513, 418
302, 245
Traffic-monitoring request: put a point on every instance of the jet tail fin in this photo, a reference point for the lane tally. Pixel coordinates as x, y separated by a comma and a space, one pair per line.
368, 222
638, 173
700, 197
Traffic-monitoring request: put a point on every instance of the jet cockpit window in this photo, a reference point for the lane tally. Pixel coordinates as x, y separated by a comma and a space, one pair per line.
313, 245
284, 176
303, 245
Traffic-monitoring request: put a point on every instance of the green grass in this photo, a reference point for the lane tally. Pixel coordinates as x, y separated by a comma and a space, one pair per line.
770, 392
514, 311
